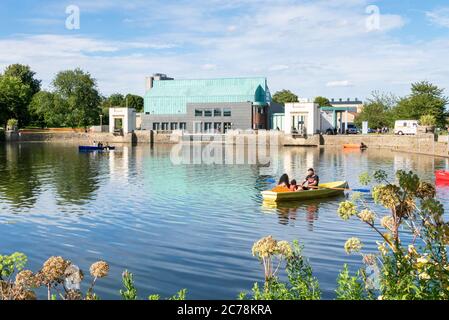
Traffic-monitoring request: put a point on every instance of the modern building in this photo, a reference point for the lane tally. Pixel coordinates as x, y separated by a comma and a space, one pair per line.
302, 118
206, 105
122, 120
352, 105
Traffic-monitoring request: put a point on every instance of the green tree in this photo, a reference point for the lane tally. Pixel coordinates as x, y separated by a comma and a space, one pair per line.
285, 96
322, 101
48, 109
27, 77
425, 99
378, 111
14, 99
134, 101
116, 100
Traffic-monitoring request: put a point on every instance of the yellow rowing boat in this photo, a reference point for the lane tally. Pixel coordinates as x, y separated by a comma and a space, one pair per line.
324, 190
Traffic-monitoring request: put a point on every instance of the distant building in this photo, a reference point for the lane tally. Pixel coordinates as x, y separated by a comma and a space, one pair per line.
206, 105
353, 105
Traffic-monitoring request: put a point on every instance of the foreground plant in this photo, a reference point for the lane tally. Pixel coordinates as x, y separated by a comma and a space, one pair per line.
301, 284
411, 262
59, 276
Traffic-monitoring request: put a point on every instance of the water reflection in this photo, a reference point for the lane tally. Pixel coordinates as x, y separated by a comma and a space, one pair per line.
289, 212
179, 226
29, 170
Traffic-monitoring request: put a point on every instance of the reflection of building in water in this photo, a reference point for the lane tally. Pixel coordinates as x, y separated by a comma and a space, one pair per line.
119, 163
296, 161
418, 163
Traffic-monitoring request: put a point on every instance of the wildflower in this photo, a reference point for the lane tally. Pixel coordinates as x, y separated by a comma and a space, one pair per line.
382, 247
412, 250
347, 209
353, 245
73, 295
53, 269
387, 222
25, 279
422, 260
424, 276
265, 247
369, 259
284, 248
367, 216
99, 269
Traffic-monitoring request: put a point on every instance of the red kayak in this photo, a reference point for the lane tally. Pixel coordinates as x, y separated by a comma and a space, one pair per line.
442, 175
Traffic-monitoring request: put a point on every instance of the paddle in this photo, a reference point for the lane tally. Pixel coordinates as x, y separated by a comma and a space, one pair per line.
271, 180
343, 189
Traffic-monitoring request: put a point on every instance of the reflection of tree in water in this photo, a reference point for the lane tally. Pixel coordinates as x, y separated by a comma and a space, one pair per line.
19, 182
76, 176
25, 170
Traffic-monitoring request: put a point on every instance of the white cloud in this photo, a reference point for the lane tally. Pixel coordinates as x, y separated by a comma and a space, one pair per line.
342, 83
311, 47
439, 17
209, 66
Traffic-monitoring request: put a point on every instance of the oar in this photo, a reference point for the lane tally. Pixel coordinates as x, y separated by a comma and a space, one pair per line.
343, 189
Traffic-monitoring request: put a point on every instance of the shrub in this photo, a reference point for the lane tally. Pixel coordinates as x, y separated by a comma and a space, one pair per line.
428, 120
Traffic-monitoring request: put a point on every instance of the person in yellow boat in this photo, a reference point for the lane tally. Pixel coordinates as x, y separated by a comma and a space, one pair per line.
283, 184
293, 185
311, 181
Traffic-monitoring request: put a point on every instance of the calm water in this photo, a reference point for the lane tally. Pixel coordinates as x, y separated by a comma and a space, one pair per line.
177, 226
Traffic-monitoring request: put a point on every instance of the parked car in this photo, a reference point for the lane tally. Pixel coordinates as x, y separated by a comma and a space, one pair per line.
352, 129
403, 127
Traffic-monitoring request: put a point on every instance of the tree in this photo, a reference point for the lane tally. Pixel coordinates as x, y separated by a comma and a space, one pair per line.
27, 78
48, 109
425, 99
26, 75
14, 99
78, 90
322, 101
134, 101
285, 96
116, 100
378, 111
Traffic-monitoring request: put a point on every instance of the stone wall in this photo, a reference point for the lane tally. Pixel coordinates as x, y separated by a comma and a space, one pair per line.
70, 137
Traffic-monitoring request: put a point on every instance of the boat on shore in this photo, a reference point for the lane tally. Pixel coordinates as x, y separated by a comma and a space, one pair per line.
324, 190
95, 148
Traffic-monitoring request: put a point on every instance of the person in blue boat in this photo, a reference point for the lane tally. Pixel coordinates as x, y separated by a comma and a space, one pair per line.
311, 181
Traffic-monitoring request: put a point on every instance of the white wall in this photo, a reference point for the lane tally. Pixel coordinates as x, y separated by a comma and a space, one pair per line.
128, 117
310, 109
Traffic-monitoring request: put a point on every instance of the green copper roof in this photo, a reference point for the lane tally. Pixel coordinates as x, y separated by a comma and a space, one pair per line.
172, 96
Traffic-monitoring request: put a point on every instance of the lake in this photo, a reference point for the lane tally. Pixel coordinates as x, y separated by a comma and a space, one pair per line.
179, 225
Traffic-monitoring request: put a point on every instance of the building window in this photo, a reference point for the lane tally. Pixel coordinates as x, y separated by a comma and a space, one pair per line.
173, 126
227, 126
208, 113
182, 126
217, 127
164, 126
156, 126
208, 126
217, 112
198, 113
227, 113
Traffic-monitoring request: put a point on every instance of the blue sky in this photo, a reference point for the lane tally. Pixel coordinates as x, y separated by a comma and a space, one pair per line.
334, 48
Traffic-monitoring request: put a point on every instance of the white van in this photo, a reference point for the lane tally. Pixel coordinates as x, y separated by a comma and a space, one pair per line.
402, 127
